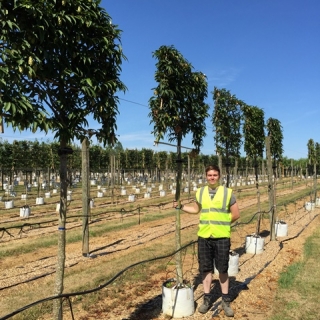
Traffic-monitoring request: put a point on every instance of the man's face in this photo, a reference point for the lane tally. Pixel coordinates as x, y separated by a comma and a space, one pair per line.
213, 177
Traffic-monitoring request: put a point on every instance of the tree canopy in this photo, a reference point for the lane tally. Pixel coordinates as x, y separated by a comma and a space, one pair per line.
226, 119
60, 63
274, 129
253, 130
178, 105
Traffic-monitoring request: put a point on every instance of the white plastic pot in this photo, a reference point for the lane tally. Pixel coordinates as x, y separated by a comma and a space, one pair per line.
309, 206
39, 200
254, 244
8, 204
131, 197
281, 229
25, 212
177, 302
162, 193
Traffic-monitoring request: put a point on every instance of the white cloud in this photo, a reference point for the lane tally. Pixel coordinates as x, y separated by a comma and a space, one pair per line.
223, 77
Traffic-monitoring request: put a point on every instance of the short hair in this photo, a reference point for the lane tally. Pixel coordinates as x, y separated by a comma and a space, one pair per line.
213, 167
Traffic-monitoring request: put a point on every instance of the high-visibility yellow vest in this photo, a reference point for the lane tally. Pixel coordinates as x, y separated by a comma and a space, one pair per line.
215, 217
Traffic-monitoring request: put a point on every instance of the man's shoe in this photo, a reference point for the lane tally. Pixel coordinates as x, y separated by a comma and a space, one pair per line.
204, 308
227, 309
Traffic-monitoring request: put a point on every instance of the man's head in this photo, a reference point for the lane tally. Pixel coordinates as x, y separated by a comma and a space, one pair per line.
213, 167
213, 175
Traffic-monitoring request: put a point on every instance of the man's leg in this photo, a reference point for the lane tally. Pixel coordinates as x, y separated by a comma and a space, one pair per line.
222, 261
224, 284
205, 255
206, 281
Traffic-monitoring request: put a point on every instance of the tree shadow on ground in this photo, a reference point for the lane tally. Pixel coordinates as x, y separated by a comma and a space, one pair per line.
152, 308
148, 310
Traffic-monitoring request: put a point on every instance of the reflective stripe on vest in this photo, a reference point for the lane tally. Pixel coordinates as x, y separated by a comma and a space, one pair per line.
215, 218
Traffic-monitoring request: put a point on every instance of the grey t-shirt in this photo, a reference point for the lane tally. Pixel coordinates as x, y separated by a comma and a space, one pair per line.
212, 193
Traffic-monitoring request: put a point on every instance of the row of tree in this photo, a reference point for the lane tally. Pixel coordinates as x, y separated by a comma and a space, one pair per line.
64, 69
27, 155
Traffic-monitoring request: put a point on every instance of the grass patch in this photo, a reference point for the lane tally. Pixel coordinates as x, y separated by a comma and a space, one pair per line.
74, 235
288, 277
297, 297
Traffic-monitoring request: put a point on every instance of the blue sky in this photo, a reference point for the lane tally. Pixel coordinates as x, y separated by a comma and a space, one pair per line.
265, 52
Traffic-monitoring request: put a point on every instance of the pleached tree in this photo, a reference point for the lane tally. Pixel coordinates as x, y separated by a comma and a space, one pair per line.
178, 108
254, 139
60, 64
226, 119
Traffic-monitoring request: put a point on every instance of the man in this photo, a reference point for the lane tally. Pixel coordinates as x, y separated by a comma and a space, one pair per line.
218, 209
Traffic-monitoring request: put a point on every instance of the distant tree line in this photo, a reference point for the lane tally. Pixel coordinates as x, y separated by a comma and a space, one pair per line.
38, 155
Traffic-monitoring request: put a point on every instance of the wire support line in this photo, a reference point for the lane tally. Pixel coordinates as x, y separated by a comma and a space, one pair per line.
68, 295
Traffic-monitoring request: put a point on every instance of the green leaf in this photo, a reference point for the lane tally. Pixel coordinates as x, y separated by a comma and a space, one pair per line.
89, 82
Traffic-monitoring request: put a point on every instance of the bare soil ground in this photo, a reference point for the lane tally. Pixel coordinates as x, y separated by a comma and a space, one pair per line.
253, 288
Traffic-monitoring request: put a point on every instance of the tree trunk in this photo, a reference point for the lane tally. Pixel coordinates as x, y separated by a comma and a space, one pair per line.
247, 172
1, 125
189, 184
220, 166
57, 304
85, 198
292, 173
178, 221
315, 182
235, 175
258, 196
271, 190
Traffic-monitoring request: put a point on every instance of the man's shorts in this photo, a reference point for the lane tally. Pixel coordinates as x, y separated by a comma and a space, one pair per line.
213, 252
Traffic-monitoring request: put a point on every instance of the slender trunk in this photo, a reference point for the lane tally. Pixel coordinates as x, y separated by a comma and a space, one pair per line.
61, 257
85, 198
235, 174
271, 190
247, 165
292, 173
258, 197
220, 166
178, 222
189, 185
315, 181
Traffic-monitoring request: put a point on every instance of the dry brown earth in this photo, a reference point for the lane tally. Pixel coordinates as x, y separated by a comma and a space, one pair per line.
253, 287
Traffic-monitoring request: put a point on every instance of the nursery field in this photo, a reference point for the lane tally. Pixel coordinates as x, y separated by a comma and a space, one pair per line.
124, 233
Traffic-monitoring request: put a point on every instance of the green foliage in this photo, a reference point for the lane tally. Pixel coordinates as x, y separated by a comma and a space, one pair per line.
226, 119
59, 63
253, 129
317, 153
274, 129
312, 157
178, 107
